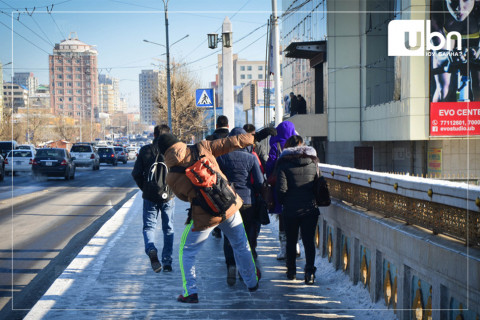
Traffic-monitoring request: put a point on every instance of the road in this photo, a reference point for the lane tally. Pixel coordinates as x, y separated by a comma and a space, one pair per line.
44, 224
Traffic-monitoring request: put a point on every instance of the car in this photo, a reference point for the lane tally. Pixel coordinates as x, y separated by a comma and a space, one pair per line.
30, 147
107, 155
2, 169
19, 160
132, 153
122, 154
85, 156
6, 146
53, 162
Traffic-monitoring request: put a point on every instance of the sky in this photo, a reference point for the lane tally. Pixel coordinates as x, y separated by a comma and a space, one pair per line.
118, 27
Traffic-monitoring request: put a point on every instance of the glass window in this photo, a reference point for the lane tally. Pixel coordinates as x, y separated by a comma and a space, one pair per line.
242, 76
260, 76
260, 68
60, 84
249, 68
60, 91
242, 68
249, 76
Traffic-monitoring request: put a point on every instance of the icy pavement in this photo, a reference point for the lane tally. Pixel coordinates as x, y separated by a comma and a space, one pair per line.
111, 278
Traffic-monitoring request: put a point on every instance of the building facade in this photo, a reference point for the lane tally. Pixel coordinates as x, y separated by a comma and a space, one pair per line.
148, 85
74, 79
14, 96
26, 79
114, 87
384, 112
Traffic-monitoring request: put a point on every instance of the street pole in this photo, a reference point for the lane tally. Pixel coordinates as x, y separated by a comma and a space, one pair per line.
81, 116
276, 66
169, 93
227, 76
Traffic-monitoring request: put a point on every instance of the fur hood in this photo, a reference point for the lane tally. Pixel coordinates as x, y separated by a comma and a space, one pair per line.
302, 151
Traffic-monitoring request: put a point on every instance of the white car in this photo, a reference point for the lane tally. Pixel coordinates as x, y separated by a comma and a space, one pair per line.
132, 153
19, 161
30, 147
85, 156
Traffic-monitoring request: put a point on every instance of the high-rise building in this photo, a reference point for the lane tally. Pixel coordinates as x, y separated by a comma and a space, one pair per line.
114, 86
74, 79
14, 96
106, 98
27, 80
148, 85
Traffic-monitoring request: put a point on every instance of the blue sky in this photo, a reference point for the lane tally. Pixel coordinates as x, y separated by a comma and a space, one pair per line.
118, 27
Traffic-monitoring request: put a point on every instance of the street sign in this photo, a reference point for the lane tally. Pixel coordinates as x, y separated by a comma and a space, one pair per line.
204, 97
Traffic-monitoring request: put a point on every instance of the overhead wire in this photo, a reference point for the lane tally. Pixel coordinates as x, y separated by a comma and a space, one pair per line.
51, 16
18, 34
23, 24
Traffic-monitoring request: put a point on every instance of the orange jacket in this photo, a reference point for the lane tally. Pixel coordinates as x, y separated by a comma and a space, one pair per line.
179, 155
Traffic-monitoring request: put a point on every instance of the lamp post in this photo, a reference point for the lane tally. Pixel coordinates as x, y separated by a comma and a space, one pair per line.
227, 66
169, 93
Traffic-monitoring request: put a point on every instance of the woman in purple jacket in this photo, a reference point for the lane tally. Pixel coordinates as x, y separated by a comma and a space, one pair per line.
285, 130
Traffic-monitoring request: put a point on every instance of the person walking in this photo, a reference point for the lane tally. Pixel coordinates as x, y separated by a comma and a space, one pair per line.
293, 104
285, 130
302, 104
240, 166
221, 131
257, 147
200, 222
155, 203
296, 170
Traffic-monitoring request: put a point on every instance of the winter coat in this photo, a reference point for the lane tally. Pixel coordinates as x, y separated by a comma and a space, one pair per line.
179, 155
296, 170
146, 157
238, 166
219, 133
302, 106
285, 130
293, 106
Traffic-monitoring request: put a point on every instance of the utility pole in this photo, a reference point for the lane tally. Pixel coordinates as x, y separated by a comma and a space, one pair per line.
169, 93
276, 66
227, 76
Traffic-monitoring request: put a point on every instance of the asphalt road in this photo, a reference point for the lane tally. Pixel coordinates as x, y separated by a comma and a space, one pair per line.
44, 224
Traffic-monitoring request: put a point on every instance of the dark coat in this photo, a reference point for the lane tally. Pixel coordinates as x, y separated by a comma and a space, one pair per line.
220, 133
293, 105
302, 106
238, 166
146, 157
296, 170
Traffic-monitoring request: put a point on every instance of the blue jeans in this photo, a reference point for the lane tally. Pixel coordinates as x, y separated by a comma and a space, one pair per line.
150, 217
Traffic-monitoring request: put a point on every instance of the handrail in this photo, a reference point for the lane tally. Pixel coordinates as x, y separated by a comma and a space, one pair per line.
449, 208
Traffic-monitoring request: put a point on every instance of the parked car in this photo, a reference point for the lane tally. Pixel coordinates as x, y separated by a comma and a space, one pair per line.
122, 154
19, 161
107, 155
6, 146
30, 147
53, 162
85, 156
132, 153
2, 168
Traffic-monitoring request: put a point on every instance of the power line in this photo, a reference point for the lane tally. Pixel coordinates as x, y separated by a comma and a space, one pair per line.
18, 20
50, 14
23, 37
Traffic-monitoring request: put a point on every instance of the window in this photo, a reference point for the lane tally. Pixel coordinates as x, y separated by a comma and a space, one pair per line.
249, 68
70, 99
69, 76
78, 76
79, 84
70, 106
260, 76
70, 91
78, 69
60, 91
79, 98
77, 61
69, 84
59, 76
260, 68
60, 84
60, 106
79, 91
242, 68
59, 69
242, 76
249, 76
69, 69
60, 99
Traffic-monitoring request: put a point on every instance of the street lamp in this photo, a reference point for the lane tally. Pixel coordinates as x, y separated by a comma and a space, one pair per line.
213, 40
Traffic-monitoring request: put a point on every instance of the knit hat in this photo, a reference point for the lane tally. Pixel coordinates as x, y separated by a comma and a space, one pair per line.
165, 141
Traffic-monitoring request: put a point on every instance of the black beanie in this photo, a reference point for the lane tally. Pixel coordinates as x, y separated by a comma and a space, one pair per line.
165, 141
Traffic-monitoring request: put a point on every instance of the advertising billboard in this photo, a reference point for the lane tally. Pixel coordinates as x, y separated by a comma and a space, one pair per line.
454, 68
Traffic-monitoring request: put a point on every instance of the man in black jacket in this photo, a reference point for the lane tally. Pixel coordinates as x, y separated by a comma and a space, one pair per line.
154, 204
220, 132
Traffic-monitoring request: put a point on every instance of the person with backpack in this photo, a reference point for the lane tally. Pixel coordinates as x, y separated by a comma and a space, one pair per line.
149, 172
240, 166
296, 172
221, 131
195, 177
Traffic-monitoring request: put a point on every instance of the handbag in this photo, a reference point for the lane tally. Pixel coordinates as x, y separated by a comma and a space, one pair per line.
320, 190
261, 210
267, 195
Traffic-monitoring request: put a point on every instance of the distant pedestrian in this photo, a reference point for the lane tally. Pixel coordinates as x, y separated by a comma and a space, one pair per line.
296, 170
221, 131
257, 147
302, 105
201, 223
293, 104
242, 170
285, 130
154, 202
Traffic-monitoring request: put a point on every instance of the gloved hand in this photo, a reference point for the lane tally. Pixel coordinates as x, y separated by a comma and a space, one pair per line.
265, 132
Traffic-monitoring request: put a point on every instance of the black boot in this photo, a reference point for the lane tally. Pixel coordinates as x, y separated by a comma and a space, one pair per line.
310, 276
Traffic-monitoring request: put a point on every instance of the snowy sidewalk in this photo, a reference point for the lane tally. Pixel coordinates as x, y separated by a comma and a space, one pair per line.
111, 278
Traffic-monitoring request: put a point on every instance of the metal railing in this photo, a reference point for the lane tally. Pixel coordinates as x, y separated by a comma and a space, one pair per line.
443, 207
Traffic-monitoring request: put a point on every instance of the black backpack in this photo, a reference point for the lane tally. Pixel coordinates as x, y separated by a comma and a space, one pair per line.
155, 187
320, 190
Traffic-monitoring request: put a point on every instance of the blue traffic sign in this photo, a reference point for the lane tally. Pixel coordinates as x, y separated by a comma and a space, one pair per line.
204, 97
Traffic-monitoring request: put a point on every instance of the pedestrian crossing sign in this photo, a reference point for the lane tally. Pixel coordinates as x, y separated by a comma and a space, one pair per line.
204, 97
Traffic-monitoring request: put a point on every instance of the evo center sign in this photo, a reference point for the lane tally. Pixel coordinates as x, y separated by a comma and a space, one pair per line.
410, 38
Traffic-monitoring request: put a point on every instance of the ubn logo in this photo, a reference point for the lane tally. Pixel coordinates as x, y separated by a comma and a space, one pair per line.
408, 38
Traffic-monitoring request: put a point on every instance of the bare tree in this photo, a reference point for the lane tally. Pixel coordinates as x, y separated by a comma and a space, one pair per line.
10, 129
188, 121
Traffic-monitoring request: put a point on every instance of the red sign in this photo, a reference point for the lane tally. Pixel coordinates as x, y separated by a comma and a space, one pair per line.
455, 118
